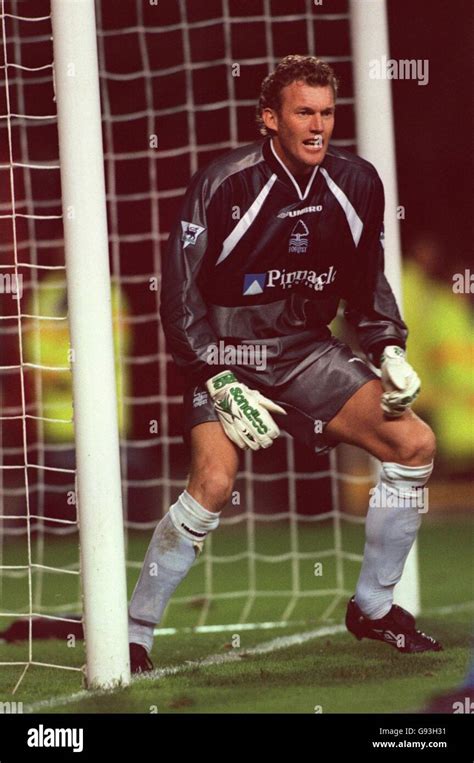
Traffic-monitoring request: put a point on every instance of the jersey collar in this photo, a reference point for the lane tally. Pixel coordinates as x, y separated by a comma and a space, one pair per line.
284, 173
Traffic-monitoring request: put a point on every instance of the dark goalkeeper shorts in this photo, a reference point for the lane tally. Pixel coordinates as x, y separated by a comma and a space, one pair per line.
311, 399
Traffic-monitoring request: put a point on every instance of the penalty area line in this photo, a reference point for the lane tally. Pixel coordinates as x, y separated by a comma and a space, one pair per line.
281, 642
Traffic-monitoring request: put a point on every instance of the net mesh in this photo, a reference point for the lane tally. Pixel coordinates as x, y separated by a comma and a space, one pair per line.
179, 82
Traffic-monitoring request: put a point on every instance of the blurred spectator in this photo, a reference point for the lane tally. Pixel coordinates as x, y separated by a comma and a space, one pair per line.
47, 342
440, 347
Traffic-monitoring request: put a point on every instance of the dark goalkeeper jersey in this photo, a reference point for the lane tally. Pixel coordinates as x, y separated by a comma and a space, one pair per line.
255, 258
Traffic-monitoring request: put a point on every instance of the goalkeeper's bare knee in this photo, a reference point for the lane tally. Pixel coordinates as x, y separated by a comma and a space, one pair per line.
214, 464
211, 486
414, 446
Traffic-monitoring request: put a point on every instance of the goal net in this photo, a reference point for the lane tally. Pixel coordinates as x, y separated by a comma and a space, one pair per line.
179, 83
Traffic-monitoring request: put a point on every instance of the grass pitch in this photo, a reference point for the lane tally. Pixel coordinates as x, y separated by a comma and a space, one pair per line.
329, 672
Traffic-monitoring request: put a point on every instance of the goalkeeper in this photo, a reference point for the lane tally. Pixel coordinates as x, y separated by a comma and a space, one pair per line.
270, 238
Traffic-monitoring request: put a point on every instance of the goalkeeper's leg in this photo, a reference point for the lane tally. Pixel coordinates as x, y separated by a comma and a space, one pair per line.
406, 447
179, 536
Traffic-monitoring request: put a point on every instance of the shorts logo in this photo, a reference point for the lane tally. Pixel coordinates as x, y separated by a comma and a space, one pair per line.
190, 233
200, 397
254, 283
298, 243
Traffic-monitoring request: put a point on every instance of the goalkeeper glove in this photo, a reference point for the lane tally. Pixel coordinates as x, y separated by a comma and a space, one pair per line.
243, 412
400, 382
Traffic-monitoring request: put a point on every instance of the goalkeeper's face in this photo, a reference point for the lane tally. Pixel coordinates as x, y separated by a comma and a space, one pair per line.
303, 125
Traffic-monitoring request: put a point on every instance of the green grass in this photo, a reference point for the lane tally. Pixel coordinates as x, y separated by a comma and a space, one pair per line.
335, 673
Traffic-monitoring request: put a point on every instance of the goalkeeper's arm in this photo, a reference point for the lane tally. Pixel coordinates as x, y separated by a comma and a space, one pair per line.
243, 412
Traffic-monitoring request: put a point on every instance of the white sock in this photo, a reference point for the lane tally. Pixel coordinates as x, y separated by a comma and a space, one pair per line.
176, 542
393, 519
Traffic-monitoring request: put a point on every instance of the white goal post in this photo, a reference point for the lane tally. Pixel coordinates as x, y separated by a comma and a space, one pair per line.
376, 142
90, 319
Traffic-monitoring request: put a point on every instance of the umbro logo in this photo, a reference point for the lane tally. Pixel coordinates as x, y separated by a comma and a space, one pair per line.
392, 638
298, 212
